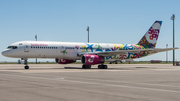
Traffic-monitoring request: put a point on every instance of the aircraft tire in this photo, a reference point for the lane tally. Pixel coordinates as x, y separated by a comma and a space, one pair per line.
99, 66
102, 67
89, 66
83, 66
105, 67
86, 66
26, 67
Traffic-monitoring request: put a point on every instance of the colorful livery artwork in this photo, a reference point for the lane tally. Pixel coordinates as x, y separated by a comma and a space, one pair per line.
88, 53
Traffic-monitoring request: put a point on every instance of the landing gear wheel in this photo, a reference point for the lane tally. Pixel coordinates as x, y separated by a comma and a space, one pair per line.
89, 66
99, 66
26, 67
102, 66
86, 66
105, 67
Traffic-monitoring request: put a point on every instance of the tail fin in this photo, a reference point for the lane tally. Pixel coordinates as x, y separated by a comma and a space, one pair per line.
149, 40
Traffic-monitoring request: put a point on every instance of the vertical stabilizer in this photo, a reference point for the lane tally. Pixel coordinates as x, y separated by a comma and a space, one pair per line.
149, 40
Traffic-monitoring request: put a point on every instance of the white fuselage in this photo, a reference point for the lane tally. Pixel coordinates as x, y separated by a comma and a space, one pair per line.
43, 49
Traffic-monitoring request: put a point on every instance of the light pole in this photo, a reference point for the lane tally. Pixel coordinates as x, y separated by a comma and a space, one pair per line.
36, 40
88, 33
172, 18
166, 54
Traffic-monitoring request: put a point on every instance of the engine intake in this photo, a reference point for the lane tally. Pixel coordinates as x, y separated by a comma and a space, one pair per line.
88, 59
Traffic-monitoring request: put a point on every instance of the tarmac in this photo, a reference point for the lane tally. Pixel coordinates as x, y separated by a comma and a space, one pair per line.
120, 82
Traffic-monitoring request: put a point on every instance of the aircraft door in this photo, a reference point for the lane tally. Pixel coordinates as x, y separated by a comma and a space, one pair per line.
26, 48
61, 48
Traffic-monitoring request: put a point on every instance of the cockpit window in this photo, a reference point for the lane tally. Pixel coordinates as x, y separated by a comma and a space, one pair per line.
12, 47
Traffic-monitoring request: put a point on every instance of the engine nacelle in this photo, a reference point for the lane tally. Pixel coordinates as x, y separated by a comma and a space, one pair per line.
89, 59
64, 61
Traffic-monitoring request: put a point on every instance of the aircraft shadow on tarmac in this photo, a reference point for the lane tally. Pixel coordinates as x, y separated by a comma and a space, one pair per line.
117, 68
72, 67
121, 68
142, 67
33, 69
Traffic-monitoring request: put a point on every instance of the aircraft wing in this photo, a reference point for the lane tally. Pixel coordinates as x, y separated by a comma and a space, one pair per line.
112, 53
164, 49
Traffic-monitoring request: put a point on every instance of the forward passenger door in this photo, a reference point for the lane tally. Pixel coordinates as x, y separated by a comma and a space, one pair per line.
26, 48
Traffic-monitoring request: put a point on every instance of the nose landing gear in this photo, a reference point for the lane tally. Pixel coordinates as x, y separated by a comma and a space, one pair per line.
26, 67
25, 63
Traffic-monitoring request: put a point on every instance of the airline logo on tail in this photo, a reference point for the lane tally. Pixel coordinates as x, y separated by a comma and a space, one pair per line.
149, 40
153, 33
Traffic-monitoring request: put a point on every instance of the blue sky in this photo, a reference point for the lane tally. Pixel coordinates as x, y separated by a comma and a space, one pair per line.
110, 21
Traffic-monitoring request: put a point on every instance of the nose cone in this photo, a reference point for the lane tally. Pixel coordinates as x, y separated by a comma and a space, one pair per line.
5, 53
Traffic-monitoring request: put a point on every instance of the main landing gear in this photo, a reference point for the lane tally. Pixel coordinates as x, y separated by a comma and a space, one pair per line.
99, 66
86, 66
102, 66
25, 63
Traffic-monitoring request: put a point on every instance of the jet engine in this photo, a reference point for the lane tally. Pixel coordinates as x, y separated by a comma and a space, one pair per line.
89, 59
64, 61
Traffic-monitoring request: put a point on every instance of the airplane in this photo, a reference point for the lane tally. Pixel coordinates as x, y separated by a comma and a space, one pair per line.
88, 53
